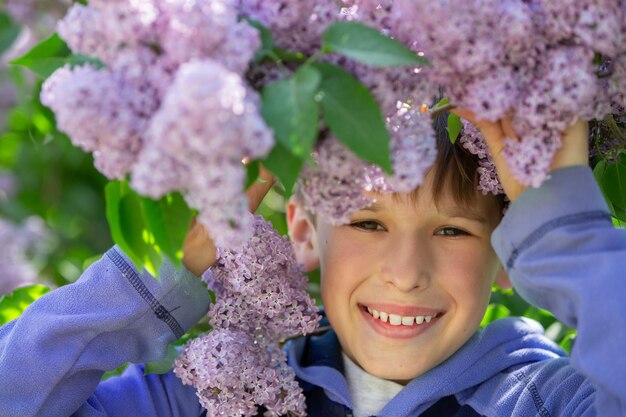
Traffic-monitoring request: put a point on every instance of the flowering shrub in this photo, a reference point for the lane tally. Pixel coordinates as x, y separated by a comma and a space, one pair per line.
261, 299
182, 91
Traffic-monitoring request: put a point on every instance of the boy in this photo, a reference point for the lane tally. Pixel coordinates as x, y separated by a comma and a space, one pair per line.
404, 285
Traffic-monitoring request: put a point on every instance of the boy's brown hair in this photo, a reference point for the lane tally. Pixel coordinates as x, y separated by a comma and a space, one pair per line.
455, 169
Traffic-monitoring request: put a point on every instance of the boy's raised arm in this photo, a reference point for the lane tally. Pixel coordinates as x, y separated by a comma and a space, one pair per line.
53, 356
562, 253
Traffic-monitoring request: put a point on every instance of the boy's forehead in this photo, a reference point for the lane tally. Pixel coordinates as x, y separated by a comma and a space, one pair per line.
481, 208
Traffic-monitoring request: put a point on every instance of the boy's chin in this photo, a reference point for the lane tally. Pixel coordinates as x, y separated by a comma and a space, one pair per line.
392, 372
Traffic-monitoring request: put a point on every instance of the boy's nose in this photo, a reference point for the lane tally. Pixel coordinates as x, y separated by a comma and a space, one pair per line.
407, 264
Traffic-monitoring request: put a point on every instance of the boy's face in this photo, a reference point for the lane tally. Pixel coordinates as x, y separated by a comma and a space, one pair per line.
405, 258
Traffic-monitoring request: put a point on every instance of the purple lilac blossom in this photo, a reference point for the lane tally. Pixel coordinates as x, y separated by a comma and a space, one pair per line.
530, 60
472, 140
260, 298
87, 103
212, 122
334, 187
413, 152
295, 26
123, 115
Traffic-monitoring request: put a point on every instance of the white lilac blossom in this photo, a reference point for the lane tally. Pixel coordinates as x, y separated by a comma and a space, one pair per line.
532, 60
261, 298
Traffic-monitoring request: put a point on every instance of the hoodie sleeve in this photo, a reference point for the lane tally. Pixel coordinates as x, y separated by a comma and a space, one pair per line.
53, 356
562, 253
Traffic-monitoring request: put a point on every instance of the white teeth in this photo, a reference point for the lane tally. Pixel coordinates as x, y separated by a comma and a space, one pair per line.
383, 316
395, 320
408, 321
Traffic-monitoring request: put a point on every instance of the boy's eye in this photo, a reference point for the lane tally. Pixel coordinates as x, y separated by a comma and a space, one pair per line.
368, 225
451, 232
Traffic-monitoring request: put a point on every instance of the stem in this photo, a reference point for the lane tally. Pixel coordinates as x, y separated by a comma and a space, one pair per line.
596, 141
617, 131
273, 55
313, 58
441, 109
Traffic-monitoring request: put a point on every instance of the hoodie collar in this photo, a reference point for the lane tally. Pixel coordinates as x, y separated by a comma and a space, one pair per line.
503, 344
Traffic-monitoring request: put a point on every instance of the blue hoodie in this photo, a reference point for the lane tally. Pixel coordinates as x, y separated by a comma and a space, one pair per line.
557, 243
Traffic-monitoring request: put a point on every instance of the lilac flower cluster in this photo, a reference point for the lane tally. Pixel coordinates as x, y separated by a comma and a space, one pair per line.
205, 101
171, 106
16, 242
532, 60
260, 298
413, 152
338, 184
473, 141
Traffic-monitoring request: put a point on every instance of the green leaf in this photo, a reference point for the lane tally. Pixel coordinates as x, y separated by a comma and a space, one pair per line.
114, 191
135, 231
285, 166
353, 115
129, 228
288, 56
49, 55
45, 57
252, 173
567, 342
493, 313
9, 31
441, 103
267, 41
611, 178
13, 305
168, 221
290, 109
454, 127
367, 45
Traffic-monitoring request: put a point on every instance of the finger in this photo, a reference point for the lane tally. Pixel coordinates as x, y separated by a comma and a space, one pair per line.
259, 189
507, 128
574, 149
465, 114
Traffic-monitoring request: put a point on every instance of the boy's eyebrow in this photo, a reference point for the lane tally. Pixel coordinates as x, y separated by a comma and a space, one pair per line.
464, 213
373, 207
446, 211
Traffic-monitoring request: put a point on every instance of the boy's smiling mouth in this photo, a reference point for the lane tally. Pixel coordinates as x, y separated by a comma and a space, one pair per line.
404, 325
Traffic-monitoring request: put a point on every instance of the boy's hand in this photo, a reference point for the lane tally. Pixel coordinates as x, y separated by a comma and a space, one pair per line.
574, 150
198, 248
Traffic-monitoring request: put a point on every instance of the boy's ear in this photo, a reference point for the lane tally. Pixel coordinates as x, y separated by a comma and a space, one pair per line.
302, 234
502, 279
